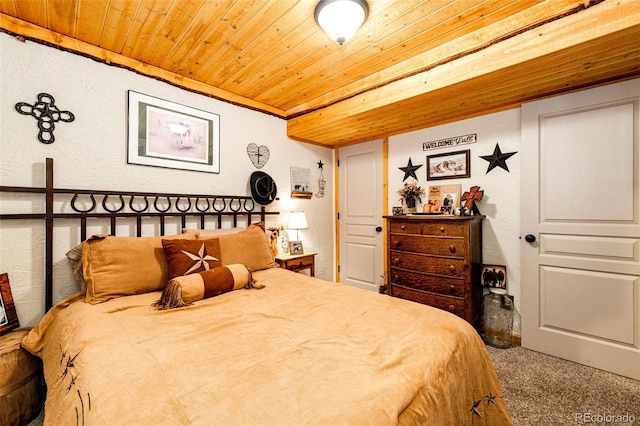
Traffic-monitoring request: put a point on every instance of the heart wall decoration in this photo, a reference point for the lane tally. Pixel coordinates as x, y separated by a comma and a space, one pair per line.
259, 155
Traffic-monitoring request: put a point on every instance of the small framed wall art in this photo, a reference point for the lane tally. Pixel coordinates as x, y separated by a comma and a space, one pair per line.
300, 183
8, 316
166, 134
494, 276
450, 165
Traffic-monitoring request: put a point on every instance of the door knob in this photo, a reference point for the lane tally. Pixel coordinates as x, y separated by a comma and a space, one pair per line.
378, 228
530, 238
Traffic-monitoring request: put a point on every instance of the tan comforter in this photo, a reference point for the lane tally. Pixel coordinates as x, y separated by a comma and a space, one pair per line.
300, 351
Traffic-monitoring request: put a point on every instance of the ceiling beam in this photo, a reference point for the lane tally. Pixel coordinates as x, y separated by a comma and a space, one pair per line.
420, 96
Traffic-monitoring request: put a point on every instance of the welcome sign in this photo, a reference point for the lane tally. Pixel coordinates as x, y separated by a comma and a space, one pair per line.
454, 141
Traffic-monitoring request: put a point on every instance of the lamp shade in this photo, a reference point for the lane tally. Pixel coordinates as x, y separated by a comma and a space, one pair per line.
297, 220
340, 19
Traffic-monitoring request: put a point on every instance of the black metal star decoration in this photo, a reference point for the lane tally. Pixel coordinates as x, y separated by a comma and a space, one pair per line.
320, 165
47, 114
498, 159
410, 170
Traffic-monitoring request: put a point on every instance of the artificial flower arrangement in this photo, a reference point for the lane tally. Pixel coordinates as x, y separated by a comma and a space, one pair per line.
411, 192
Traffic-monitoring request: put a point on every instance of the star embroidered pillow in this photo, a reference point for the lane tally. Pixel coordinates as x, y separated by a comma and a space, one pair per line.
186, 257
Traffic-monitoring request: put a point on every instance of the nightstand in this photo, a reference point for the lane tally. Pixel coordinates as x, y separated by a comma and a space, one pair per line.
298, 262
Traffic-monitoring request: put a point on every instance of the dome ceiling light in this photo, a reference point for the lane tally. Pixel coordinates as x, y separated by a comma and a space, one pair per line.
341, 18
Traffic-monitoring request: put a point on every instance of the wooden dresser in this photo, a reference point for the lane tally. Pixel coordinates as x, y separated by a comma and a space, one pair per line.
436, 260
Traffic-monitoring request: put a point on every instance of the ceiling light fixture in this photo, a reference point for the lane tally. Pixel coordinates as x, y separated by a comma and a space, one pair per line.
341, 18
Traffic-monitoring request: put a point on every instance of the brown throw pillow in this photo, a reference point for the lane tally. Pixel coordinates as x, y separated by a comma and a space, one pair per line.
184, 290
190, 256
249, 247
122, 266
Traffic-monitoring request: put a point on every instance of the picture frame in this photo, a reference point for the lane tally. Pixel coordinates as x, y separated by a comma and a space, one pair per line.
300, 183
441, 196
397, 211
8, 315
295, 247
166, 134
494, 276
449, 165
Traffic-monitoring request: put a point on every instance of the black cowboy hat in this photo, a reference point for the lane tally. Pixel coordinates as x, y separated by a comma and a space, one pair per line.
263, 188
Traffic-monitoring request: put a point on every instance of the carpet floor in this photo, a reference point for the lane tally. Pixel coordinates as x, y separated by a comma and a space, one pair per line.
544, 390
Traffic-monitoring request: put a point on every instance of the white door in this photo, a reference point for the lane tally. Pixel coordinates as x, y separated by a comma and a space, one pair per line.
581, 203
360, 208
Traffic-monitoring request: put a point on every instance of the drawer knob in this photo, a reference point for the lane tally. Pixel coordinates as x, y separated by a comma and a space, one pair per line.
452, 248
451, 308
403, 227
452, 289
396, 243
452, 269
396, 260
442, 229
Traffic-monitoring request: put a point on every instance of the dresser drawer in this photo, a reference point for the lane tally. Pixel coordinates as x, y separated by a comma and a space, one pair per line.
444, 229
406, 227
450, 304
455, 247
430, 283
442, 266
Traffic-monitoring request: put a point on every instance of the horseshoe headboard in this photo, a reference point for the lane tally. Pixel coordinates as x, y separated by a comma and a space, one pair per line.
139, 207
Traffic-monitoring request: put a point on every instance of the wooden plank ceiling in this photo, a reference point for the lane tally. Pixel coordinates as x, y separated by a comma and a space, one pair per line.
413, 64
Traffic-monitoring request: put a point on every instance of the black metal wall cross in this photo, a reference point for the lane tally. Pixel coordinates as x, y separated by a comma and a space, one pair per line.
47, 114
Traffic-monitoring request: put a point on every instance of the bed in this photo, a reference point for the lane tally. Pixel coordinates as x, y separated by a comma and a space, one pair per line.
242, 341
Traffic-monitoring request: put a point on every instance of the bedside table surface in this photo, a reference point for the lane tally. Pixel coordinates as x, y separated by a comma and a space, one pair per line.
287, 256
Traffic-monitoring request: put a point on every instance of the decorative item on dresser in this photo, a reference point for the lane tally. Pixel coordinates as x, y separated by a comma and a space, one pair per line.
436, 261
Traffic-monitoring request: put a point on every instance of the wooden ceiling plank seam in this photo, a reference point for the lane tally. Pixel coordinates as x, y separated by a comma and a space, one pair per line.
274, 52
233, 58
34, 12
8, 7
91, 21
194, 34
489, 48
272, 62
254, 52
119, 17
144, 26
60, 16
332, 88
325, 62
467, 44
214, 45
555, 32
37, 34
169, 29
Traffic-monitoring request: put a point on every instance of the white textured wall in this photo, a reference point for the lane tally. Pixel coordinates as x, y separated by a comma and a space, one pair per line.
501, 201
91, 153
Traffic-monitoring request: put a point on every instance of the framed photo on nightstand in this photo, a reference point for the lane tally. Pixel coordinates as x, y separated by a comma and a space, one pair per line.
295, 247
